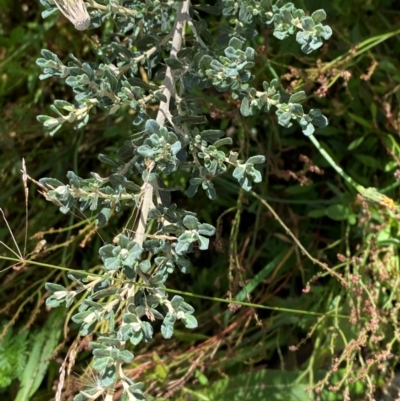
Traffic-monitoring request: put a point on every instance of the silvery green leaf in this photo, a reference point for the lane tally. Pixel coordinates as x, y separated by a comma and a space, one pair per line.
77, 277
223, 142
123, 242
208, 186
108, 160
54, 302
156, 314
318, 118
284, 119
235, 43
43, 63
176, 301
189, 321
152, 127
296, 110
88, 70
297, 97
190, 222
97, 345
51, 182
109, 376
318, 16
185, 307
238, 173
255, 175
69, 299
95, 305
126, 356
87, 328
83, 395
183, 264
101, 352
205, 61
94, 202
186, 52
216, 65
245, 184
103, 288
132, 392
136, 337
160, 97
48, 12
80, 317
113, 263
259, 159
108, 341
45, 76
110, 316
114, 353
136, 386
157, 279
167, 327
308, 129
206, 229
173, 63
182, 246
121, 51
230, 53
203, 242
133, 255
147, 331
142, 84
125, 332
245, 107
120, 180
308, 24
250, 52
51, 122
76, 181
146, 151
112, 79
175, 147
83, 307
48, 55
64, 105
101, 363
145, 265
130, 318
327, 32
246, 65
140, 117
280, 34
106, 251
103, 216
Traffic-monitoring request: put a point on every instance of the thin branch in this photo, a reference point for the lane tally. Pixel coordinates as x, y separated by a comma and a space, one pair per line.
289, 232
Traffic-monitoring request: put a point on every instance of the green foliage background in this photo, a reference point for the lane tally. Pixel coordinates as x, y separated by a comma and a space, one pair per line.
248, 354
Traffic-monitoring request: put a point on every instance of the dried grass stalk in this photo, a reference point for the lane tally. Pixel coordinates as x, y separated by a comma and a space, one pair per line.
75, 11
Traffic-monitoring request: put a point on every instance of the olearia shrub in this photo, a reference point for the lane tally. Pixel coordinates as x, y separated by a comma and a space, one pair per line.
155, 62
